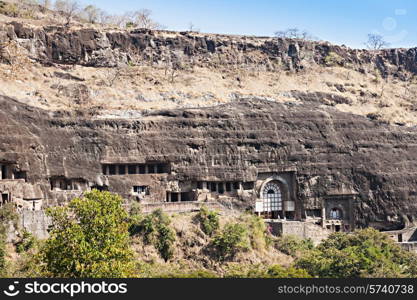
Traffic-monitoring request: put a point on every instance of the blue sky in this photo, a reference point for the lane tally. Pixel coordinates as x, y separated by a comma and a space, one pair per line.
338, 21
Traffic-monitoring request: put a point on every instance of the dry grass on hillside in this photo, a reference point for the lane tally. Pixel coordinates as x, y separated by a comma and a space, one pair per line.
153, 87
191, 250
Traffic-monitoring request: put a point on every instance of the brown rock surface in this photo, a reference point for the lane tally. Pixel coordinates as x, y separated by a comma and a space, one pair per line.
328, 149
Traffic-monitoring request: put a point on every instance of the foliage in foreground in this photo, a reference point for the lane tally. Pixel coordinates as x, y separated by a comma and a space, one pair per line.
262, 271
292, 245
365, 253
209, 220
89, 238
8, 215
156, 231
232, 239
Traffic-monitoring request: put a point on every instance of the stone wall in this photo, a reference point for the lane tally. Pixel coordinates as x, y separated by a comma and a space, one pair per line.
302, 230
35, 222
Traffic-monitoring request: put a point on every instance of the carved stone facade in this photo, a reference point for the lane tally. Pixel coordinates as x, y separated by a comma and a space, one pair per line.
286, 162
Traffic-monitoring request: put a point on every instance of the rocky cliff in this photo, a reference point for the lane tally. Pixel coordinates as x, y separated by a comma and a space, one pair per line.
328, 150
98, 48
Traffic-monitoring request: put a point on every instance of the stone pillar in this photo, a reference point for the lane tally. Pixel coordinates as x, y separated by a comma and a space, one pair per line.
137, 169
1, 174
323, 216
217, 187
107, 172
146, 169
204, 185
169, 196
179, 197
116, 167
240, 186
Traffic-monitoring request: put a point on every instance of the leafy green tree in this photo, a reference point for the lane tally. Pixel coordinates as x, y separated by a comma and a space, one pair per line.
209, 220
277, 271
26, 243
232, 239
365, 253
89, 238
292, 245
156, 230
259, 236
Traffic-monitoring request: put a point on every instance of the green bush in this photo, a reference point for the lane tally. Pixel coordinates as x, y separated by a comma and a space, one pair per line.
332, 59
8, 215
209, 220
262, 271
89, 239
277, 271
192, 274
135, 218
232, 239
292, 245
26, 243
365, 253
3, 268
259, 236
238, 270
157, 231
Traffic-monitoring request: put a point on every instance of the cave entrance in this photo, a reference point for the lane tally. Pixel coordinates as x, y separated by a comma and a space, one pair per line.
5, 198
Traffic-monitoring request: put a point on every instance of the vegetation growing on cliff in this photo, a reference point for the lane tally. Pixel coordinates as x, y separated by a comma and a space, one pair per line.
89, 238
209, 220
365, 253
95, 236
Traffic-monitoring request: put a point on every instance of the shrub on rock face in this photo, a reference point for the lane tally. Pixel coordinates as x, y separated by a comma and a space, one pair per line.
209, 220
232, 239
3, 268
365, 253
89, 239
262, 271
292, 245
26, 243
332, 59
259, 236
156, 230
278, 271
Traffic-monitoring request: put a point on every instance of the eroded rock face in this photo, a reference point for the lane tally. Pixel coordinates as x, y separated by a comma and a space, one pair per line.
327, 150
90, 47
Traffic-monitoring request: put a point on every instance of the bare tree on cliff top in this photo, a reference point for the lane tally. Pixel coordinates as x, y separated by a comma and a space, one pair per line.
69, 8
92, 13
142, 19
294, 33
376, 42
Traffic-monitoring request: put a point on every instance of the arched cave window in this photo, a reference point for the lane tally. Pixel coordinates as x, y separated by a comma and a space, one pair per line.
272, 197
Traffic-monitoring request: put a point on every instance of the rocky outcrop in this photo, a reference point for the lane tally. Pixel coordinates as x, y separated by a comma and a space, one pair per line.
90, 47
328, 150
